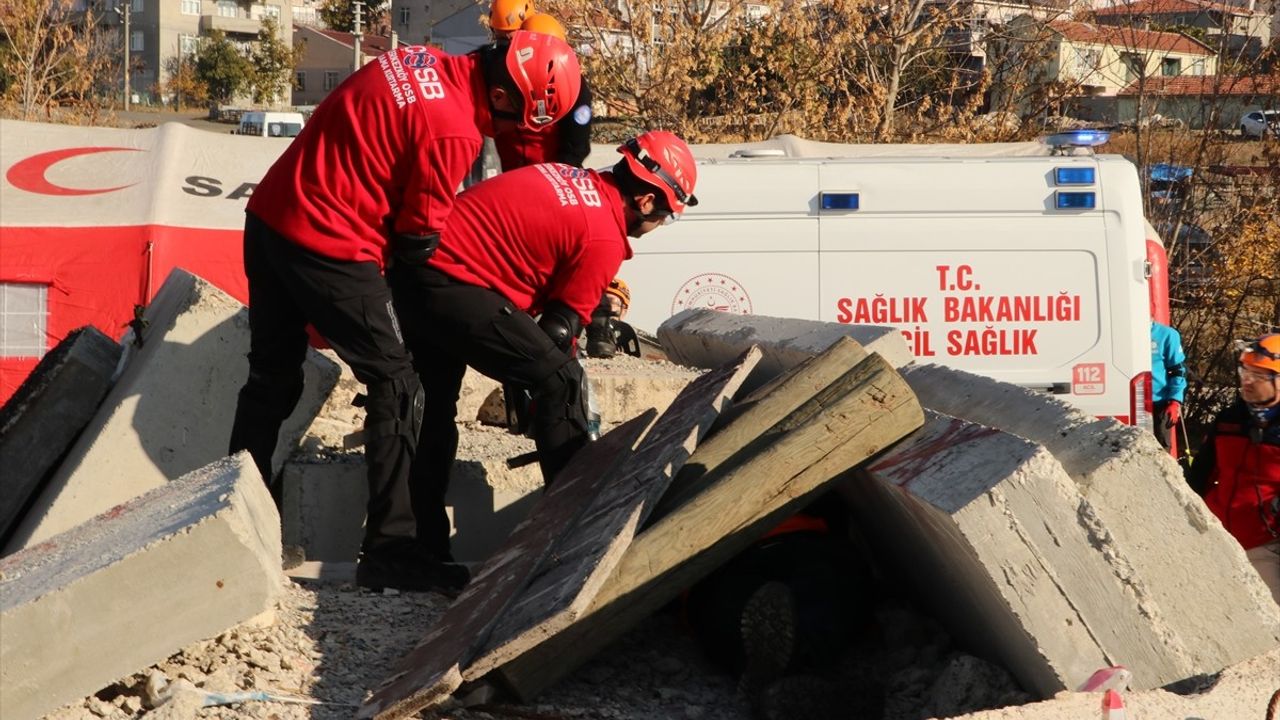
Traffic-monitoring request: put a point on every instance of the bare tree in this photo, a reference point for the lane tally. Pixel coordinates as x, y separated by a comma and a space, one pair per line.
50, 54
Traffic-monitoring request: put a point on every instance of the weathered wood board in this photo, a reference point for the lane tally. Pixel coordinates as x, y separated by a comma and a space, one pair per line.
585, 555
865, 411
432, 671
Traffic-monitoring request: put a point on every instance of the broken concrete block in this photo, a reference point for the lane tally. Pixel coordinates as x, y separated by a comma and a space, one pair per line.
1197, 575
169, 413
706, 338
48, 411
990, 527
130, 587
325, 497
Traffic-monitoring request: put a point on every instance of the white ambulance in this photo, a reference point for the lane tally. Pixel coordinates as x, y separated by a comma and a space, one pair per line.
1026, 262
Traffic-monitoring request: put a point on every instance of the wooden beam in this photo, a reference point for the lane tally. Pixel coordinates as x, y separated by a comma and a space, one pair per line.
432, 671
584, 556
754, 415
849, 421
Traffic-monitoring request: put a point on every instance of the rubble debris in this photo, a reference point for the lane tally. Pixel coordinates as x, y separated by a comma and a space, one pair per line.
182, 562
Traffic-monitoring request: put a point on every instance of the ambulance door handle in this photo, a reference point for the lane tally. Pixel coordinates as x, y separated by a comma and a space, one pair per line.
1060, 388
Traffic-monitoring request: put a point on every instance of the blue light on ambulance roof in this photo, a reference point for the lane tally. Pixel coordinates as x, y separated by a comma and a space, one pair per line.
1078, 138
1075, 200
840, 201
1073, 176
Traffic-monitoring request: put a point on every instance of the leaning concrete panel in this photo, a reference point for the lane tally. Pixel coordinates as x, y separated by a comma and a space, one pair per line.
706, 338
48, 411
169, 413
1208, 594
991, 526
132, 586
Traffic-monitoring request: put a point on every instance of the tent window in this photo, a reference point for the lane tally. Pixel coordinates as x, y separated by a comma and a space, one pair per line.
23, 310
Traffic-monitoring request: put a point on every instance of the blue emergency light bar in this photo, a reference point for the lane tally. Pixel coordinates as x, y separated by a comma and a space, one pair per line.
1073, 176
1078, 138
839, 201
1075, 200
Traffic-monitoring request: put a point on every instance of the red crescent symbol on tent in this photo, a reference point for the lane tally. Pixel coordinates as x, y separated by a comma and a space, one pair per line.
29, 174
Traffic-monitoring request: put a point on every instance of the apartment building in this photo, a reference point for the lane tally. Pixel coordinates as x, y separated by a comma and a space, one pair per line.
161, 31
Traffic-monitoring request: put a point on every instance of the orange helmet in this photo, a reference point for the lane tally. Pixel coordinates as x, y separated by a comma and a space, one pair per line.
545, 24
663, 160
1263, 353
506, 15
618, 288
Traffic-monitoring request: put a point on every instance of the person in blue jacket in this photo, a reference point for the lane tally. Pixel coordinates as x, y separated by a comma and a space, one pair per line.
1168, 381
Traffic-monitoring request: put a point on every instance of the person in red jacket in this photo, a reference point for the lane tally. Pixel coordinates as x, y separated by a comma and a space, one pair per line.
372, 177
541, 240
568, 142
1238, 469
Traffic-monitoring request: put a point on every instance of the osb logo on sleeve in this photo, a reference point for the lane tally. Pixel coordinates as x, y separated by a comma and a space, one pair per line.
712, 291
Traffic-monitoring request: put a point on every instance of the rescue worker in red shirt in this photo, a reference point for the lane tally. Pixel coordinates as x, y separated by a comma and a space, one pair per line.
542, 240
372, 177
1238, 468
568, 142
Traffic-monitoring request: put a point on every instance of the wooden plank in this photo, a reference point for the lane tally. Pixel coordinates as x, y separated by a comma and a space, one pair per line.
851, 420
585, 556
754, 415
432, 671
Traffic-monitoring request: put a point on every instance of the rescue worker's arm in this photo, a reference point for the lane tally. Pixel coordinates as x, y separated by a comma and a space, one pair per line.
575, 130
431, 181
1203, 464
1175, 366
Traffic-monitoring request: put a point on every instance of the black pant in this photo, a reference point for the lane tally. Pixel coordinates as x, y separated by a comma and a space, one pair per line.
349, 303
449, 325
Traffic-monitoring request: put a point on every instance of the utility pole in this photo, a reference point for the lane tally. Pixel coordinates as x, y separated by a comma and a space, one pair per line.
123, 10
356, 36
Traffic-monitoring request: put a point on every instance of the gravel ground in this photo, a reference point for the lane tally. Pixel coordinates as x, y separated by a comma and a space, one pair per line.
331, 643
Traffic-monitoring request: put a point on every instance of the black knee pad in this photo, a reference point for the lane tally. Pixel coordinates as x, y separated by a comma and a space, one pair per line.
395, 407
276, 392
561, 397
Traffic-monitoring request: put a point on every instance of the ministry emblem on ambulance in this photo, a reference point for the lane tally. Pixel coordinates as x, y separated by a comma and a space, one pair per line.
712, 291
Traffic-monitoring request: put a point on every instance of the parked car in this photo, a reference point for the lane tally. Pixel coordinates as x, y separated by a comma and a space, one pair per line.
270, 124
1259, 123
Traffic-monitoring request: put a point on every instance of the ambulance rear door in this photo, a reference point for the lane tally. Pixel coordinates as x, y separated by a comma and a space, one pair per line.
984, 264
749, 246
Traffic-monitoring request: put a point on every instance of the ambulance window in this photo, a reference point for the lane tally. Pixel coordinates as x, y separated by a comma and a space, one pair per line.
23, 310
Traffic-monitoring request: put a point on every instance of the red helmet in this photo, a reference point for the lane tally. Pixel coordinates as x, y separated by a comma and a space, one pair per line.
663, 160
545, 72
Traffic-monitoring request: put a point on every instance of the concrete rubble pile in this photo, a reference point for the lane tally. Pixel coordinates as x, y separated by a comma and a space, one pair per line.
1054, 544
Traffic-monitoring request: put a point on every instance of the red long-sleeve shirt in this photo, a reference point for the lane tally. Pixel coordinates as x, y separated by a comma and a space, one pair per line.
539, 233
384, 152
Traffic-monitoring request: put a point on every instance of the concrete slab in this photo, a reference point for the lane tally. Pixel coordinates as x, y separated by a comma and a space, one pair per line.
325, 497
48, 411
990, 528
130, 587
706, 338
1197, 575
169, 413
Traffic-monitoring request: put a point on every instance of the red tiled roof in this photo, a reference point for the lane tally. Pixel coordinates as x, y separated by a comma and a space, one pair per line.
1124, 37
369, 44
1198, 85
1170, 7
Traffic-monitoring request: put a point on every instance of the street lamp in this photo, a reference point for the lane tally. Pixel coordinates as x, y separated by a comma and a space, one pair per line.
123, 10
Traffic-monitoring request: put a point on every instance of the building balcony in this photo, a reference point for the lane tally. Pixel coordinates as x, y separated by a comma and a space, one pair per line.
240, 25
